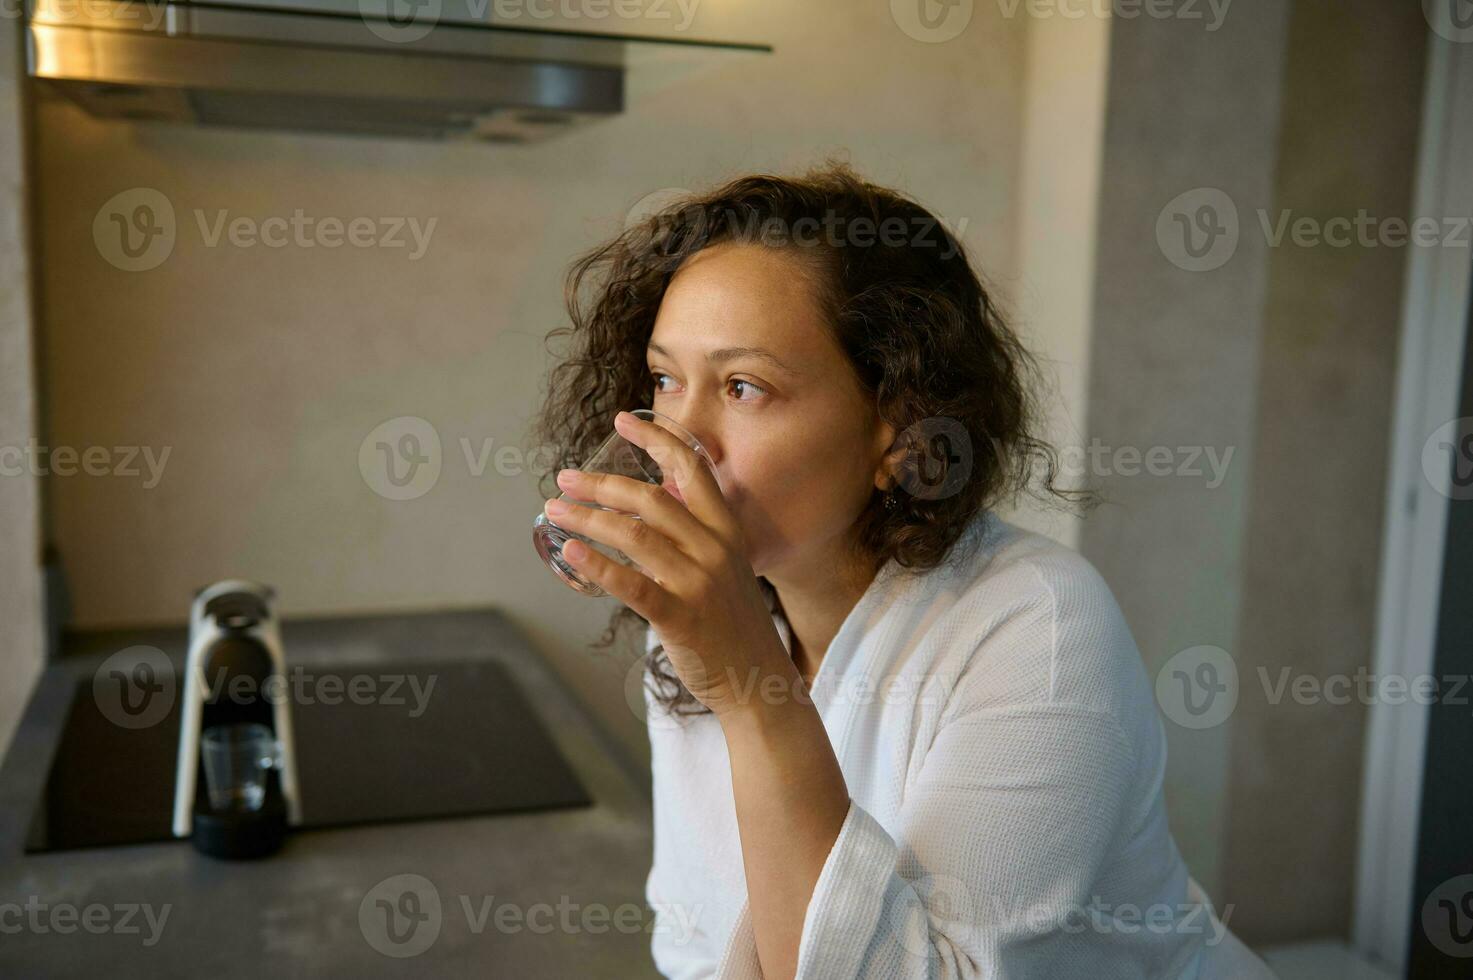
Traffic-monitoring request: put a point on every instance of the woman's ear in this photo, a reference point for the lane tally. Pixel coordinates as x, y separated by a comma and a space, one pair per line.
892, 456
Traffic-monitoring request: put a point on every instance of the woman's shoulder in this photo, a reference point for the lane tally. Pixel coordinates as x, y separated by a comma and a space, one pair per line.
1033, 621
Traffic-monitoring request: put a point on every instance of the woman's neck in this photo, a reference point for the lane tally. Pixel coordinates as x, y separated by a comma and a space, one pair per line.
815, 602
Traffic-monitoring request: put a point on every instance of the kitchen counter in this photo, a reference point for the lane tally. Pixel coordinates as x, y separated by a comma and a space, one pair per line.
555, 893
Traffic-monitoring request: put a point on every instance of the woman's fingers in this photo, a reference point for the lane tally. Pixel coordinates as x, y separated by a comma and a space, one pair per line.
662, 512
654, 552
694, 482
629, 585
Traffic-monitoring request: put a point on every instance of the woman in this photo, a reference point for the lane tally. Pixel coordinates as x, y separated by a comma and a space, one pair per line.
892, 735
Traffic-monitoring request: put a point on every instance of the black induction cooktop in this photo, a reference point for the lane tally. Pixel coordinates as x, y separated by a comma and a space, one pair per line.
463, 742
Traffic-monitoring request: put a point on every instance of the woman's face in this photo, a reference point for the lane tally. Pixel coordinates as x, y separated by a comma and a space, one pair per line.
797, 444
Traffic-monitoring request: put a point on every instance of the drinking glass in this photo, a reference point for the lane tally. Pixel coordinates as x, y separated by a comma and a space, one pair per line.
236, 759
619, 456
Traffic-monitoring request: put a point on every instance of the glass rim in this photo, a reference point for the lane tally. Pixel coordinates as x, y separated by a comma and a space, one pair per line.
236, 733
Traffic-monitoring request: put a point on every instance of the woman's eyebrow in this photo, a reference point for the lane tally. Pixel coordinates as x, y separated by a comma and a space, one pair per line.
723, 354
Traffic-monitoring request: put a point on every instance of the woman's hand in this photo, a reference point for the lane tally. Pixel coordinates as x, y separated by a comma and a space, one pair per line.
697, 589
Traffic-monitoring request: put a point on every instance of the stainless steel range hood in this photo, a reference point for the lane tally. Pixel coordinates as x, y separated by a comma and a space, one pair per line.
435, 70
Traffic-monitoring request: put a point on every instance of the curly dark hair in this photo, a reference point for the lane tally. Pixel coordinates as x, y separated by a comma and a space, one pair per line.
925, 338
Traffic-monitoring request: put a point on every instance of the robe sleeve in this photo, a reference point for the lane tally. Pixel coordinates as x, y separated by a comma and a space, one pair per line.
997, 850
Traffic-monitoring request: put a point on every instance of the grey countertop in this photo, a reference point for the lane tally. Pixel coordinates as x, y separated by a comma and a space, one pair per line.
556, 893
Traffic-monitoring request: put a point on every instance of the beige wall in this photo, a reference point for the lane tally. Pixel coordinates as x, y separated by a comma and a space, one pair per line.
1327, 371
1286, 356
22, 634
1059, 187
1174, 359
262, 370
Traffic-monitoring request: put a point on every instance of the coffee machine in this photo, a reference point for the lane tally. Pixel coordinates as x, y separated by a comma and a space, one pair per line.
235, 682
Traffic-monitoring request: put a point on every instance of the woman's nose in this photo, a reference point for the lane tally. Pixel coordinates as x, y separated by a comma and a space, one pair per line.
699, 429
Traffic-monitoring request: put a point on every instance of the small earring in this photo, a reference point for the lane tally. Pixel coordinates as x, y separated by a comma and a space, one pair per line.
890, 501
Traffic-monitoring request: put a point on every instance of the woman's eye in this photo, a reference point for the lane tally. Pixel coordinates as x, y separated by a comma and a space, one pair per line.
748, 391
748, 386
